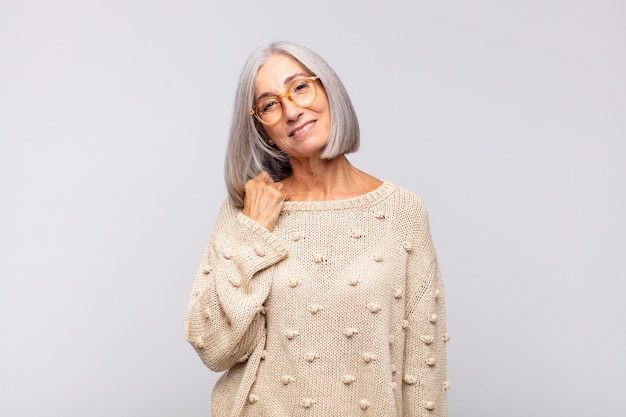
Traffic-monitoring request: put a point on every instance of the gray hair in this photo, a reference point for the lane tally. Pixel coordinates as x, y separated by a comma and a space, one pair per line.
248, 151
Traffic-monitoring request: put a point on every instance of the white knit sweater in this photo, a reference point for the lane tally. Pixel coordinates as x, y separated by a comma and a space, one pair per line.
337, 312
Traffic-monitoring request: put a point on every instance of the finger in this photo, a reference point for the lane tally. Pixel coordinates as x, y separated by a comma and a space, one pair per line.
263, 176
258, 177
279, 185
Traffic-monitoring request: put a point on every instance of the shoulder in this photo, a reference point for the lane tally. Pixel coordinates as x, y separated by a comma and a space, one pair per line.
406, 200
407, 211
228, 214
228, 209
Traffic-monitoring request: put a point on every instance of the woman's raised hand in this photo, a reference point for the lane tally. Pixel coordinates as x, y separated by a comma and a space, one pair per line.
263, 200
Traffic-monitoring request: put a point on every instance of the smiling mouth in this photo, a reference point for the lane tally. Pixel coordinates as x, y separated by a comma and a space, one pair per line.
302, 129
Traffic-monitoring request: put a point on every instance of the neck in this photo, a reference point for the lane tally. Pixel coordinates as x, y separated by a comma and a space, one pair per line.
323, 180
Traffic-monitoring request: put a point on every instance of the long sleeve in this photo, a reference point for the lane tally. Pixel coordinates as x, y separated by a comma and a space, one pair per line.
225, 316
424, 378
338, 311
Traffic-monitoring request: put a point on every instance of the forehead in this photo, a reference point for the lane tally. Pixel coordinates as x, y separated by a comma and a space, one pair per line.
276, 70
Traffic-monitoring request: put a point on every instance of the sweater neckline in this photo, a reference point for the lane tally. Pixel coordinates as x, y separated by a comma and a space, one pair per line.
363, 200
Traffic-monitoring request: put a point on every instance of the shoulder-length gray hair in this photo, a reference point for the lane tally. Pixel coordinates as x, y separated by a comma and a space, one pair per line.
248, 151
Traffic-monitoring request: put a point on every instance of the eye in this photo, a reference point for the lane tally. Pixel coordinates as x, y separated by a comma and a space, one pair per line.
267, 105
300, 87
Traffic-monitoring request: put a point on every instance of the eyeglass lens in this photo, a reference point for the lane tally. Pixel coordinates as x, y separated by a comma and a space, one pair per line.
301, 93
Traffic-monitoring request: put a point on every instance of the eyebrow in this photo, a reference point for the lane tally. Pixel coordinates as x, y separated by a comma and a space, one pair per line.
287, 81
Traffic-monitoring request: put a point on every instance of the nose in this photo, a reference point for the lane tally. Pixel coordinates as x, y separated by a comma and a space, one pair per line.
292, 112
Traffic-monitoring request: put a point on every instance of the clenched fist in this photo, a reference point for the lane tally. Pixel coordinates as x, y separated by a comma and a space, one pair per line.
263, 200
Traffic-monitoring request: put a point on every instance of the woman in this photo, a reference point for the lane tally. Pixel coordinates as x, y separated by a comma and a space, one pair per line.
319, 292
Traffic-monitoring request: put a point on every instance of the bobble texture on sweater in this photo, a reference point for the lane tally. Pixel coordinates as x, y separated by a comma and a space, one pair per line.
338, 311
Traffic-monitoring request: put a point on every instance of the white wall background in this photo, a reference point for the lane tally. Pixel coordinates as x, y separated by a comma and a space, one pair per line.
509, 118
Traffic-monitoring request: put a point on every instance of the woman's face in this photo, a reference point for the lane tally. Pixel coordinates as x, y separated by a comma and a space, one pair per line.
303, 131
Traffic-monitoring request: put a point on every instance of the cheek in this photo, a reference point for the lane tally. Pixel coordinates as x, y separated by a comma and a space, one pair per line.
322, 99
324, 109
272, 133
265, 132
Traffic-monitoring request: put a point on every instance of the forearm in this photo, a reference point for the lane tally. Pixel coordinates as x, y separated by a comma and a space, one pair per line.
224, 319
424, 379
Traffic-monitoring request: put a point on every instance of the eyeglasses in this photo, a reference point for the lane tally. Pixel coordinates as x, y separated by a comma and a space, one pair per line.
301, 92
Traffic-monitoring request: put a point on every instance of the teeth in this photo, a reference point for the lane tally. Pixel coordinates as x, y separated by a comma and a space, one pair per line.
302, 129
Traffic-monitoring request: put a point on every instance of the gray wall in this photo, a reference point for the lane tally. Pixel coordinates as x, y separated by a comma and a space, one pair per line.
507, 117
